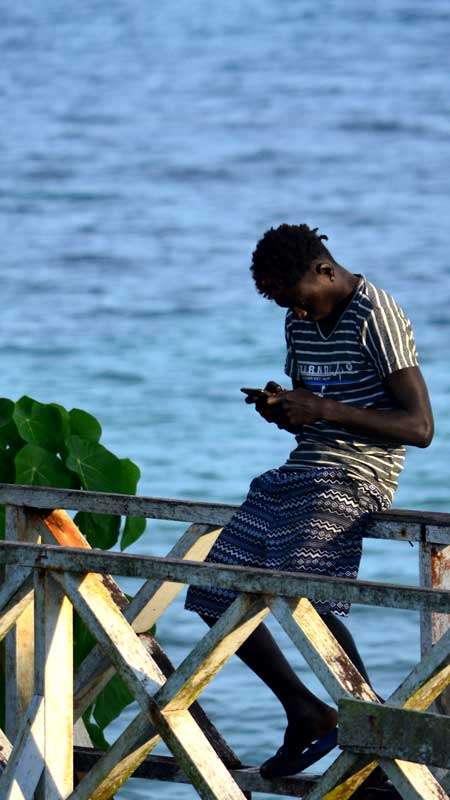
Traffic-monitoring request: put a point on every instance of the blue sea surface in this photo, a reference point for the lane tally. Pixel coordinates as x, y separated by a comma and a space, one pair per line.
145, 149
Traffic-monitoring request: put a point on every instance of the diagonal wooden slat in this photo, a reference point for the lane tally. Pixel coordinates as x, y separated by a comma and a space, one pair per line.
183, 736
423, 684
17, 603
96, 670
211, 653
119, 762
5, 751
26, 762
142, 612
332, 666
12, 584
413, 781
196, 756
196, 671
307, 630
156, 595
417, 691
342, 778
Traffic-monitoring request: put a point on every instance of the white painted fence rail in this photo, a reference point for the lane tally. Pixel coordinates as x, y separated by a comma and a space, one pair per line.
48, 568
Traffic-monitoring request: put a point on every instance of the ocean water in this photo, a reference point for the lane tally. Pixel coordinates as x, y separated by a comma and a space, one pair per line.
145, 149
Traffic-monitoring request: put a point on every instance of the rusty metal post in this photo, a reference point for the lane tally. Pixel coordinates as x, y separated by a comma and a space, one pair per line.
435, 574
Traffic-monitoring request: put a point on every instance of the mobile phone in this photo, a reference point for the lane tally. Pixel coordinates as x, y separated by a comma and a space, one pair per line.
254, 392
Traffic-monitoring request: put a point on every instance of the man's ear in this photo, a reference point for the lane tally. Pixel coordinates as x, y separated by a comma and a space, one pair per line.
326, 268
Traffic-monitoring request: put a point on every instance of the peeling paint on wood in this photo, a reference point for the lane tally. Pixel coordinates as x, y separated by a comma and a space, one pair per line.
5, 751
385, 730
26, 762
54, 680
246, 579
401, 524
390, 732
19, 644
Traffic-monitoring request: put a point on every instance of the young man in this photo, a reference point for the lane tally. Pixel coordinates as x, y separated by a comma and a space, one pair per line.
358, 398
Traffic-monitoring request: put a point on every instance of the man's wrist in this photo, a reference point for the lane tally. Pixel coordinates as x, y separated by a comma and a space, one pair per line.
327, 407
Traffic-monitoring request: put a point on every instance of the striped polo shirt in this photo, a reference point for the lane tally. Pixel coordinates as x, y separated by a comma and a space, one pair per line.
372, 339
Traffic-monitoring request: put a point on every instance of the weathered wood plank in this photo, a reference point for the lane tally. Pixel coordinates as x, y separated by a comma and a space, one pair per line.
426, 680
307, 630
96, 670
54, 680
413, 781
115, 766
139, 671
319, 647
342, 778
26, 762
383, 730
165, 768
435, 573
12, 584
445, 783
114, 634
405, 523
196, 756
19, 643
16, 605
211, 653
418, 690
425, 581
142, 612
5, 751
246, 579
155, 595
133, 745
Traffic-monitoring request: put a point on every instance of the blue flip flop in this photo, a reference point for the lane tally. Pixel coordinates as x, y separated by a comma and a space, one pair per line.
285, 762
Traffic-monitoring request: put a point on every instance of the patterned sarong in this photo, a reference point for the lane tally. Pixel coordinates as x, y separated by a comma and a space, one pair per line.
308, 521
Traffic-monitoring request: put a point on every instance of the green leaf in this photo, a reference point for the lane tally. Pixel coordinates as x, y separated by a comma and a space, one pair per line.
37, 466
84, 425
129, 476
9, 435
6, 411
41, 424
65, 419
111, 701
82, 639
134, 528
7, 471
101, 530
95, 733
98, 468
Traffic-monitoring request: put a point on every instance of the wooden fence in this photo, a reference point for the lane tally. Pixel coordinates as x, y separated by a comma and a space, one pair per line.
49, 569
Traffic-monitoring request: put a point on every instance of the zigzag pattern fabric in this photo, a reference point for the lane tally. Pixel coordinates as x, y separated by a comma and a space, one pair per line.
309, 521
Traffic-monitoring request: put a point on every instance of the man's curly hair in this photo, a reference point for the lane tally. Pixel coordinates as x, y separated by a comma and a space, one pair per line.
284, 254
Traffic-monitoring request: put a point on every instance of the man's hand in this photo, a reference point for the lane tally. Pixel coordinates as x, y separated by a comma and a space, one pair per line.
261, 403
298, 406
273, 413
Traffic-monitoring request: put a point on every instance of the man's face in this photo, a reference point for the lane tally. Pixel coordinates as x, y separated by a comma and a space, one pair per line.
311, 298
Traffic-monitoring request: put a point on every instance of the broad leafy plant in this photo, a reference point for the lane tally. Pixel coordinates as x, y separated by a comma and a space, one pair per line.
43, 444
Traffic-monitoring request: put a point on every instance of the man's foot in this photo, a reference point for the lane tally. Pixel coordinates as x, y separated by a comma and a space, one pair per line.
289, 760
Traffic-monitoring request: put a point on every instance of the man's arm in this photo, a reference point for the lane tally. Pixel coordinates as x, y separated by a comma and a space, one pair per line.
411, 423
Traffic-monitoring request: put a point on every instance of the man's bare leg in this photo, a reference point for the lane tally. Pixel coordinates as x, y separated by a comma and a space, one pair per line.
308, 717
